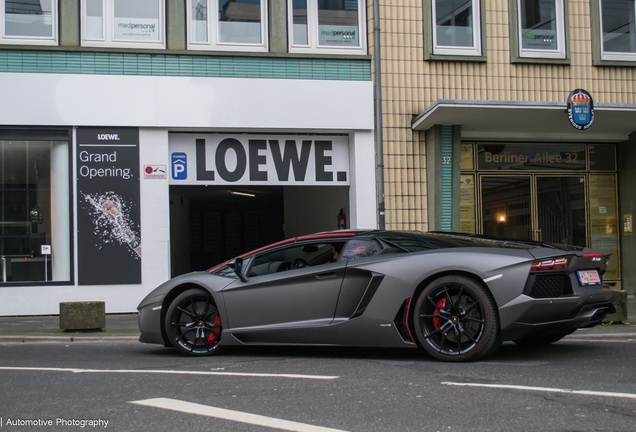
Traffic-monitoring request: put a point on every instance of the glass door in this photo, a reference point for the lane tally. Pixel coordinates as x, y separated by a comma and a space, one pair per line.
560, 205
534, 207
506, 206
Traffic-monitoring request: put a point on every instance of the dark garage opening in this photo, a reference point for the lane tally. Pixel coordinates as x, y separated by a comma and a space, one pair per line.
210, 224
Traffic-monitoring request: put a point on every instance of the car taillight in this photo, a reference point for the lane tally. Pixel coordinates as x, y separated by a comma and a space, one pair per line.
550, 264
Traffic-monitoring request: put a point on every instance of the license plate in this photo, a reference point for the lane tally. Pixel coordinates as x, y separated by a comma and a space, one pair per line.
588, 277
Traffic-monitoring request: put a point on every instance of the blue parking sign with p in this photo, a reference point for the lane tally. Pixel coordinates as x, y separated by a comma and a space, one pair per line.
179, 166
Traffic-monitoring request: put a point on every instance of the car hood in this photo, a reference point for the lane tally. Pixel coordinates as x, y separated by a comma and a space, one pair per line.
200, 278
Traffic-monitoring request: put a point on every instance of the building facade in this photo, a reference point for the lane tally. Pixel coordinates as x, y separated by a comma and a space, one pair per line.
140, 140
512, 118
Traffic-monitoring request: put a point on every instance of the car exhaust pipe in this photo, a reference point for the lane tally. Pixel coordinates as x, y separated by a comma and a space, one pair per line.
599, 313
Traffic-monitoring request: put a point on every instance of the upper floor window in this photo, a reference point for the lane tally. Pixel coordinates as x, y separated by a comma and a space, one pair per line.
541, 28
456, 27
236, 25
123, 23
29, 22
618, 29
327, 26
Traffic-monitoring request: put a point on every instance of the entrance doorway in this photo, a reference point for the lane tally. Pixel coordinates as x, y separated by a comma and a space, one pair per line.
210, 224
551, 192
535, 207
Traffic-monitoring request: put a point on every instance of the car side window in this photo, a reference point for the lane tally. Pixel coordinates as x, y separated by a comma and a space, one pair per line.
295, 257
359, 248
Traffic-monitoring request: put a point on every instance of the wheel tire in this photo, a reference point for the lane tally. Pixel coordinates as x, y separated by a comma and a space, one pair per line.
539, 340
455, 319
193, 324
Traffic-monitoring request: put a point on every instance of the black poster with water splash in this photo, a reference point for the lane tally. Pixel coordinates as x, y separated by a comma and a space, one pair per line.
108, 215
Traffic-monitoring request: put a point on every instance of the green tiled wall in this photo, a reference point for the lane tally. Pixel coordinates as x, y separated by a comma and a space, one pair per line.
183, 65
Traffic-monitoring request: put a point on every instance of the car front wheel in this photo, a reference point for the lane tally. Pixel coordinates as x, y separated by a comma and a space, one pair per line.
193, 324
455, 319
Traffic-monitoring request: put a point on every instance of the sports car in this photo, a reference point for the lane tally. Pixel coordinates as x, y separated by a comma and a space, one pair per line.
454, 296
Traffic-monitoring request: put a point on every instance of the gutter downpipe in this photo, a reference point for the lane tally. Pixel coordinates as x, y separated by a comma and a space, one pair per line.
378, 112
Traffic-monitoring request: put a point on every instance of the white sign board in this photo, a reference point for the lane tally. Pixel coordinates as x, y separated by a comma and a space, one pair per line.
244, 159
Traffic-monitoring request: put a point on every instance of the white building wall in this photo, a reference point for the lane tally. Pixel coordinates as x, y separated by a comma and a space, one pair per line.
159, 105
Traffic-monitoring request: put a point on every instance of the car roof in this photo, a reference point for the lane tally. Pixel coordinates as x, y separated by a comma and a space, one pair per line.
406, 240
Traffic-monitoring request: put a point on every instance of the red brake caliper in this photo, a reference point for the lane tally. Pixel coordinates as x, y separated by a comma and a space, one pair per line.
441, 304
216, 331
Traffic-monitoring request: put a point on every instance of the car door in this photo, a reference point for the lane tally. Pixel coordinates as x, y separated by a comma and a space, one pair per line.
282, 292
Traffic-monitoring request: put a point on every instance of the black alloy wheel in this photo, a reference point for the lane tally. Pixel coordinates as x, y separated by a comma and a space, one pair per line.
193, 323
456, 320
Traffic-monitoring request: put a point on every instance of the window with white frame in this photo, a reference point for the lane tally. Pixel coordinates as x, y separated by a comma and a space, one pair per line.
236, 25
456, 27
28, 22
618, 30
541, 28
34, 207
327, 26
123, 23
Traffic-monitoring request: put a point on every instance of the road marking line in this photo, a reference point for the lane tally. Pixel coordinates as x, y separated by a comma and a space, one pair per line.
237, 416
545, 389
582, 333
584, 339
171, 372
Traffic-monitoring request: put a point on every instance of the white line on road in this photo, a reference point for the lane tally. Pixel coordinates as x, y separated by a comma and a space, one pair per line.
171, 372
545, 389
582, 334
595, 340
237, 416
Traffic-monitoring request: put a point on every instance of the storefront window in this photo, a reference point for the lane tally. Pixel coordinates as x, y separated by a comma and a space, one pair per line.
457, 27
541, 28
29, 22
123, 23
618, 29
237, 25
34, 211
602, 157
604, 220
334, 26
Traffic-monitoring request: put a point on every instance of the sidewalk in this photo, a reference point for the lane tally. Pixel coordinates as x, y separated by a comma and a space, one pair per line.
47, 327
124, 327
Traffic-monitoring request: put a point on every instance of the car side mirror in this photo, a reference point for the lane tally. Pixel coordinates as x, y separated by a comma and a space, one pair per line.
237, 266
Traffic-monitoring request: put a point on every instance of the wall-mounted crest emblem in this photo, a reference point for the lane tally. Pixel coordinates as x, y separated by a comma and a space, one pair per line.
580, 109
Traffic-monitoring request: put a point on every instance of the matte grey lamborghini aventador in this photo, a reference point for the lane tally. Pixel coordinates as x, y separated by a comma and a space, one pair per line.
456, 296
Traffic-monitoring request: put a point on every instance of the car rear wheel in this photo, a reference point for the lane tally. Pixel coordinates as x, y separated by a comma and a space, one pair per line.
455, 319
193, 324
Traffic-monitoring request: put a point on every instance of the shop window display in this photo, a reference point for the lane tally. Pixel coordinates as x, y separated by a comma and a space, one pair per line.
34, 211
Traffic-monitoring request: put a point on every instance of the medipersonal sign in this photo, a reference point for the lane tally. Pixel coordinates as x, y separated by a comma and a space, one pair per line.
244, 159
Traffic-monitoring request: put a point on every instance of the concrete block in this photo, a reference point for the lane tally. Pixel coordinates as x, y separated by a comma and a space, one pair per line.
621, 309
83, 315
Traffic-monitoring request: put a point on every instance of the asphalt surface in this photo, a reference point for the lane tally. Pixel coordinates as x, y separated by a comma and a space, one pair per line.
125, 327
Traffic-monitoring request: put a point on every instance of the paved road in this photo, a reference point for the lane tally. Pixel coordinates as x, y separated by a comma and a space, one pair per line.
587, 383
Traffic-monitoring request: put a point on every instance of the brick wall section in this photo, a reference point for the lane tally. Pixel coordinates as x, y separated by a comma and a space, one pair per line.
411, 85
